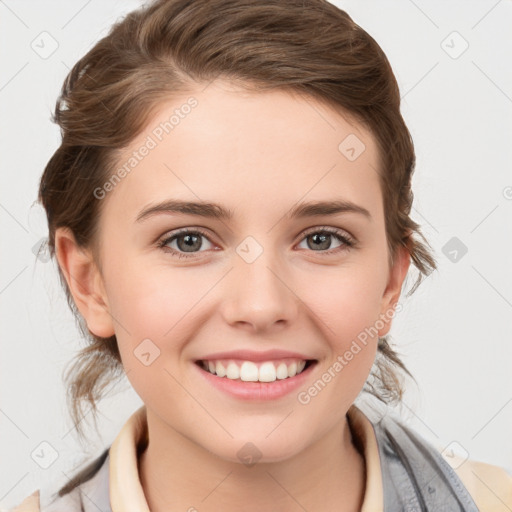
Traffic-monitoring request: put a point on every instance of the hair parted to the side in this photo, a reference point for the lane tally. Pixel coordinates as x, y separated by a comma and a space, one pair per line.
166, 48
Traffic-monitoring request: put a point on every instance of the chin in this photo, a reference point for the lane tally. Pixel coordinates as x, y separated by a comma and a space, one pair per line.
257, 451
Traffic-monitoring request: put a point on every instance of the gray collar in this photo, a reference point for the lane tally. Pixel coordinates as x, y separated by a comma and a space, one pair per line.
415, 477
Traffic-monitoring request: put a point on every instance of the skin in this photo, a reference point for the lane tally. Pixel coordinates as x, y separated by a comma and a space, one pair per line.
257, 154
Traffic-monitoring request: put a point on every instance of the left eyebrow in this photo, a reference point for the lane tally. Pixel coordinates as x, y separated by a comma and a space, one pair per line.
216, 211
319, 208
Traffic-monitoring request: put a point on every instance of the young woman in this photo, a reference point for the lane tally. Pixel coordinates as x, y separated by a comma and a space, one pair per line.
229, 209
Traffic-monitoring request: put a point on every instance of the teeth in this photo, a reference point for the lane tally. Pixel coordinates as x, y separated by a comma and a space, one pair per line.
218, 369
267, 372
233, 372
249, 371
282, 371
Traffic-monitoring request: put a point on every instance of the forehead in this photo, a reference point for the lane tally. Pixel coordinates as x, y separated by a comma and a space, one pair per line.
249, 150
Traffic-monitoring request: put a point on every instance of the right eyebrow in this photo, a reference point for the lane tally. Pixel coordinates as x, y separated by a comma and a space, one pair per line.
203, 209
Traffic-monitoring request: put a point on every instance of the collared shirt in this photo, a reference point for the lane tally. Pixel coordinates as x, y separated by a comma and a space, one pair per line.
123, 465
116, 486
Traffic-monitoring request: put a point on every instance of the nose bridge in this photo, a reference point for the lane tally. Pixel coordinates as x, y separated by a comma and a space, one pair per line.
258, 292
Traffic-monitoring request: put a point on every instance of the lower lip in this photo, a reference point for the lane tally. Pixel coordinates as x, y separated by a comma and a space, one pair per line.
257, 391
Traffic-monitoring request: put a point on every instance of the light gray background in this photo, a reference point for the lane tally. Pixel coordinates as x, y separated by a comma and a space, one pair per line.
454, 332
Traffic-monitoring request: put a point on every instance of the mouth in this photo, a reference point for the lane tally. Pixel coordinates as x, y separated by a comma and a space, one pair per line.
254, 382
265, 372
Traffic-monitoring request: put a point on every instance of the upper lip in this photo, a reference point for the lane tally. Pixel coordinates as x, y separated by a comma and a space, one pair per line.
251, 355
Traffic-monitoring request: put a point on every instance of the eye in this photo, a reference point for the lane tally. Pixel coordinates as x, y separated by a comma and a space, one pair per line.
187, 240
321, 238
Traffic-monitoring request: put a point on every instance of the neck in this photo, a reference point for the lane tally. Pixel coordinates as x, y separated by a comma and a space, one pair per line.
177, 474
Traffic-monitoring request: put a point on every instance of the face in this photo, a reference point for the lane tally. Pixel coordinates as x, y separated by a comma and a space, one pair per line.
182, 286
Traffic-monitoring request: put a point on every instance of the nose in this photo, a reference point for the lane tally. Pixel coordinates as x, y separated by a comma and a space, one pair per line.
259, 294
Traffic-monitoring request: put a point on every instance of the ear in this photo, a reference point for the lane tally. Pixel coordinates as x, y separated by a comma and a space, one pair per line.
85, 283
394, 287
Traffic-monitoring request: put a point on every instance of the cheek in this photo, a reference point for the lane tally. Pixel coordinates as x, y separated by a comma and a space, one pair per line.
151, 299
346, 301
346, 307
155, 315
149, 303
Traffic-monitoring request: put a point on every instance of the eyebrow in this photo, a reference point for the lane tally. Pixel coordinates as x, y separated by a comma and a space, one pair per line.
216, 211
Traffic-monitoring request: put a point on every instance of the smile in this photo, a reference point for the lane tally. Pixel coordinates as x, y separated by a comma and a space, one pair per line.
246, 379
249, 371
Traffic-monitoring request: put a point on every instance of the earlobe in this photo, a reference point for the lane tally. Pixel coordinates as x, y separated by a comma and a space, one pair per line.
394, 287
85, 283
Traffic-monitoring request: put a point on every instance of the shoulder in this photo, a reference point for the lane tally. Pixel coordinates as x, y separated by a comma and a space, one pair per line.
430, 476
29, 504
489, 485
86, 491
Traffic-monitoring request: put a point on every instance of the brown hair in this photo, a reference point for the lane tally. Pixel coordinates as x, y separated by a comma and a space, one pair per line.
166, 48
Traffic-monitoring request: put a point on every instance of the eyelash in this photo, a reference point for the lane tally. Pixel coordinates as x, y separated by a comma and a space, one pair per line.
347, 240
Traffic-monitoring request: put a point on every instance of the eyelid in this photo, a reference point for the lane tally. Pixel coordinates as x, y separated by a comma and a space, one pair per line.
173, 234
329, 229
348, 240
